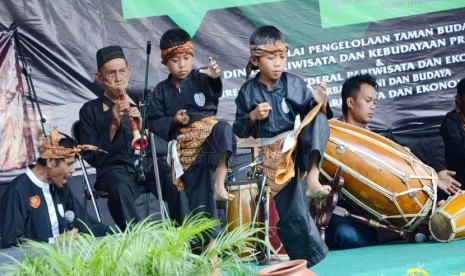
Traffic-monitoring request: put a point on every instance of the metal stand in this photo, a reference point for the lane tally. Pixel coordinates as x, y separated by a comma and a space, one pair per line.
230, 180
89, 189
163, 211
139, 165
27, 73
263, 201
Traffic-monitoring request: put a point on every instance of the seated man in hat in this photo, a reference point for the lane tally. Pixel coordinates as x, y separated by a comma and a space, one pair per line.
36, 204
108, 122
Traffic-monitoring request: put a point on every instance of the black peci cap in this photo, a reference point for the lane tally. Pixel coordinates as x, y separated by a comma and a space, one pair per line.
106, 54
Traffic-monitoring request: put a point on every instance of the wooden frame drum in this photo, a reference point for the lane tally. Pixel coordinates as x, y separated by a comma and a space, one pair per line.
380, 176
241, 209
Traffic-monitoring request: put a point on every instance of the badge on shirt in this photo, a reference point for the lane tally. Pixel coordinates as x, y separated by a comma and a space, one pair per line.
34, 201
199, 99
284, 106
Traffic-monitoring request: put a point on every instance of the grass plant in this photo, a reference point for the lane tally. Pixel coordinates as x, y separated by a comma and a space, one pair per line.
147, 248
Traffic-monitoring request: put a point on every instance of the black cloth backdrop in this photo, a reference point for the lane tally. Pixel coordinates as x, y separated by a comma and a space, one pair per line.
60, 39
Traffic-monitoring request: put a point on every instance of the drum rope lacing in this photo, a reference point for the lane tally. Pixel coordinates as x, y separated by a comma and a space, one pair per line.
430, 192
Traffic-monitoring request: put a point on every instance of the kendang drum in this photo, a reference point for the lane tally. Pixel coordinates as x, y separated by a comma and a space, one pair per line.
447, 223
380, 176
241, 209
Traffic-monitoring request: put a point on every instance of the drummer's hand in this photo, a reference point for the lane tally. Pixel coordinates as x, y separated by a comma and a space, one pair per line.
448, 184
320, 94
260, 112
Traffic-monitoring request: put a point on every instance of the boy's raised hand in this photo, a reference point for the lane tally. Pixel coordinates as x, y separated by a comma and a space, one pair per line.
213, 70
320, 94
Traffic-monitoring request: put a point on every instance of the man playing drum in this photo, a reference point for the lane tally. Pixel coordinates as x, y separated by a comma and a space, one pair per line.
453, 134
359, 98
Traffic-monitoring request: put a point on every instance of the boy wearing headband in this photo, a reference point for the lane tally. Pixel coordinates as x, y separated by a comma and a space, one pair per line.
288, 117
182, 110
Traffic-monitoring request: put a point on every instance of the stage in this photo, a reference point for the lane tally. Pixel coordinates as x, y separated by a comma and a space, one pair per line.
389, 259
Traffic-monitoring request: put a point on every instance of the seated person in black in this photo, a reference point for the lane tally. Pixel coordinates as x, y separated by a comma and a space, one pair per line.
359, 99
453, 134
182, 109
34, 205
108, 122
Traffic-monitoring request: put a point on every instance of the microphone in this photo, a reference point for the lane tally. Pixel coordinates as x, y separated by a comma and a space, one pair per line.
69, 217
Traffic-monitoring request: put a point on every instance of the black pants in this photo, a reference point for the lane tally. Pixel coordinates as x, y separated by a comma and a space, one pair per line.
296, 228
176, 201
199, 178
122, 194
123, 191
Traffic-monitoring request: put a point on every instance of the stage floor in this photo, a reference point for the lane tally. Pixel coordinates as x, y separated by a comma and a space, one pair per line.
395, 259
390, 259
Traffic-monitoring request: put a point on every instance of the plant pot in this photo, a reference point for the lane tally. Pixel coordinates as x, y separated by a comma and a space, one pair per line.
289, 268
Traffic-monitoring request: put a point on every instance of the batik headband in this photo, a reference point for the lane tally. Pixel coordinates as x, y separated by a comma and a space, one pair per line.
186, 48
266, 49
51, 148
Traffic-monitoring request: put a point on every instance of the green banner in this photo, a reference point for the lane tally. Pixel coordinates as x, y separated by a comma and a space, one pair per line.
335, 13
188, 15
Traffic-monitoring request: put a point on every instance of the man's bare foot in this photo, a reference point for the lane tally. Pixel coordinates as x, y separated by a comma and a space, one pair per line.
318, 194
316, 190
223, 196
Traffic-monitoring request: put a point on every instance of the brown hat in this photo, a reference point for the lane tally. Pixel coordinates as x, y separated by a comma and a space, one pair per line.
108, 53
51, 148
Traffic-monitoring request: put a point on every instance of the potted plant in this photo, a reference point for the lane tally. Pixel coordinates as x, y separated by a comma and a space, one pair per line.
147, 248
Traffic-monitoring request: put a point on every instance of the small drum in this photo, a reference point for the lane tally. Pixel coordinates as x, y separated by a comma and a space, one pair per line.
241, 209
447, 223
380, 176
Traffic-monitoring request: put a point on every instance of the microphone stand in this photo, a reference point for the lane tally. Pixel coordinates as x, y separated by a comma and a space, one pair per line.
27, 73
142, 106
163, 211
140, 168
263, 201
